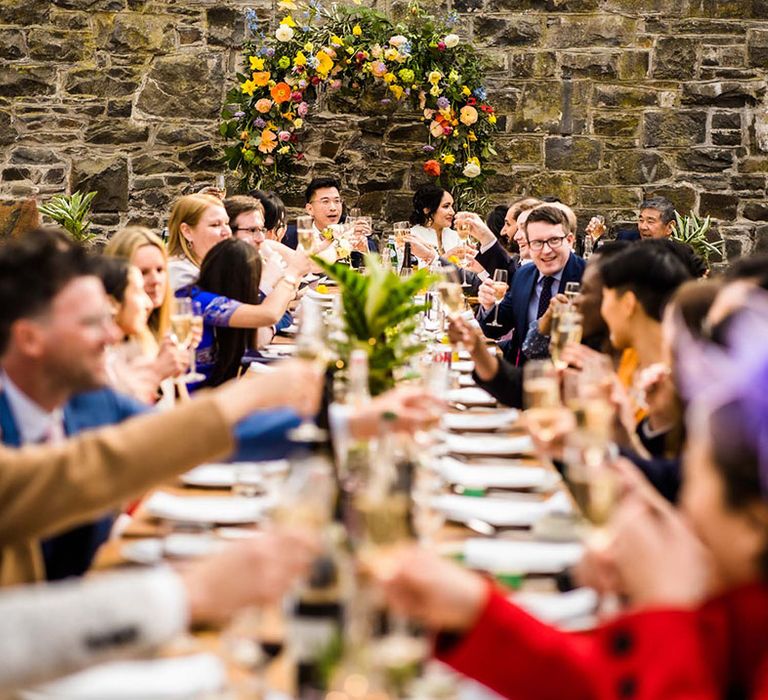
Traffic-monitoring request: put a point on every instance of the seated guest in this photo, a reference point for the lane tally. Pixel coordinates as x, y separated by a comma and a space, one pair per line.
431, 220
495, 221
656, 219
550, 240
274, 215
197, 223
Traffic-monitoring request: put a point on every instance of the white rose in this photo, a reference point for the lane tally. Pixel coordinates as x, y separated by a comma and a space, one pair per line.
284, 33
398, 40
471, 170
451, 40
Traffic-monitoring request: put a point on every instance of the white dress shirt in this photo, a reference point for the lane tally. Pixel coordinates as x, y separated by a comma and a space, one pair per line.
533, 304
33, 422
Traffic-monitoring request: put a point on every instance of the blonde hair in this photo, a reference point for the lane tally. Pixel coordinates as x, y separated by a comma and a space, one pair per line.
124, 244
187, 210
522, 205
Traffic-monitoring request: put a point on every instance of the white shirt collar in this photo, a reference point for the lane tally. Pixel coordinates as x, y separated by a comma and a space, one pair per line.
34, 423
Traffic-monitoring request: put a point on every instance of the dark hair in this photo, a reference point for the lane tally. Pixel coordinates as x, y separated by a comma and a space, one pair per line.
232, 268
274, 209
753, 267
241, 204
650, 269
496, 218
113, 273
33, 270
426, 197
662, 205
550, 199
694, 299
319, 183
549, 215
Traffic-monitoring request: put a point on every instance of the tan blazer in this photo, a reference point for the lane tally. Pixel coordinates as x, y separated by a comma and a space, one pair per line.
47, 488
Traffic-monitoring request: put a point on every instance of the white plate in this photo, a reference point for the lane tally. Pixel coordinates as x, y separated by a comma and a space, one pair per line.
311, 277
281, 349
512, 557
469, 420
293, 329
159, 679
466, 380
224, 476
224, 510
319, 296
463, 366
178, 546
488, 444
522, 511
481, 476
578, 605
471, 396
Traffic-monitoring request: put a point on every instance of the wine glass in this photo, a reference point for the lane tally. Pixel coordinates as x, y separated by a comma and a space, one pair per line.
186, 318
541, 398
401, 230
462, 230
310, 346
572, 290
500, 286
449, 289
567, 329
305, 233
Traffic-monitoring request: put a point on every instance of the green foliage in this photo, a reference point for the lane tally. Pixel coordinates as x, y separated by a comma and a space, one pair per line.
70, 212
351, 50
380, 315
693, 230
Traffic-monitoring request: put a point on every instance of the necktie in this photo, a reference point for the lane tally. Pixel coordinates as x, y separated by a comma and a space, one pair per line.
546, 296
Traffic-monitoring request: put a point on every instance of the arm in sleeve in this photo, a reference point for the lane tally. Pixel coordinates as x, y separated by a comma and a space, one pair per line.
507, 386
47, 631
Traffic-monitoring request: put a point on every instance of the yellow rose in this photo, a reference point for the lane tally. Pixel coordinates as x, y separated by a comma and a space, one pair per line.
298, 123
325, 63
357, 31
389, 78
434, 77
465, 91
337, 41
435, 91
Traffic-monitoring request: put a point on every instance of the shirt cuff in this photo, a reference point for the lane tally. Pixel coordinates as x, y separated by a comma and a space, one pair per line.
485, 247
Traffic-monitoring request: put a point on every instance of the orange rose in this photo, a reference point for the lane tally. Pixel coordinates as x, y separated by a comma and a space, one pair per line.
268, 141
261, 79
263, 105
432, 167
281, 93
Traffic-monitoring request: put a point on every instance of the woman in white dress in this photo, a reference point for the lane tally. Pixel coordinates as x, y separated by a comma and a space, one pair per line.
431, 221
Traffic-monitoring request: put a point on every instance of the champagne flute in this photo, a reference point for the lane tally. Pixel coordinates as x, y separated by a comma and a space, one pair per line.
186, 317
305, 234
449, 289
500, 286
572, 290
541, 398
462, 230
401, 230
567, 330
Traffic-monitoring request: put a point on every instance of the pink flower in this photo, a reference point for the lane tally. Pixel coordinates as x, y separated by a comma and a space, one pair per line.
284, 136
336, 84
296, 96
302, 109
447, 130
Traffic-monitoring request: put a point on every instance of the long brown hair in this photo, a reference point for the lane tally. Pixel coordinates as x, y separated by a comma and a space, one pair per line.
187, 210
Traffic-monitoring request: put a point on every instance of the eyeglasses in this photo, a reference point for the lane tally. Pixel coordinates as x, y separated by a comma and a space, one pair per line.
326, 202
251, 232
554, 243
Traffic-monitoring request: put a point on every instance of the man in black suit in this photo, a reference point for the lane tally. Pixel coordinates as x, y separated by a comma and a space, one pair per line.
550, 239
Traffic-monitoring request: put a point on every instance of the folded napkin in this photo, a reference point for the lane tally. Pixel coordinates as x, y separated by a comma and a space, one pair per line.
510, 557
481, 476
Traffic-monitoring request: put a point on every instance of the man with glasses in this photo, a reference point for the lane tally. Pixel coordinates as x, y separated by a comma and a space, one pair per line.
550, 241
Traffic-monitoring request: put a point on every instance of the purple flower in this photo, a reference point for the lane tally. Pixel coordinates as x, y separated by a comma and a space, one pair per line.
270, 52
428, 149
386, 101
237, 115
443, 103
259, 123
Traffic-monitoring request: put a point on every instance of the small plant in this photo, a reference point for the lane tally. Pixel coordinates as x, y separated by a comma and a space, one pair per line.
693, 230
71, 212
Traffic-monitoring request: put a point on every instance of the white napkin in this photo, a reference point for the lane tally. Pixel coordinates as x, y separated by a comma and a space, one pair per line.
508, 556
205, 509
522, 511
482, 444
481, 476
468, 420
224, 475
471, 396
558, 607
463, 366
281, 349
160, 679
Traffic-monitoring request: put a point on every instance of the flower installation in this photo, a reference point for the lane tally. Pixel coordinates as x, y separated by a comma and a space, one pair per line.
419, 61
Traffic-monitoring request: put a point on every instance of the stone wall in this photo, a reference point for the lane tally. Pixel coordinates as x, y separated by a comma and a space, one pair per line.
602, 102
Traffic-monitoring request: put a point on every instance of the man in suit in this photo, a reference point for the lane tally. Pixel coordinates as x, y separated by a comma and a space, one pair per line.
550, 240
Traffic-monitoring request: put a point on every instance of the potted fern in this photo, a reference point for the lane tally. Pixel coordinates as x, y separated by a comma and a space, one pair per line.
380, 311
71, 213
693, 230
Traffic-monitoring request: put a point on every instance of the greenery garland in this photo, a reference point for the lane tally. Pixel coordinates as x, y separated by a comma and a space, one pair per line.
353, 50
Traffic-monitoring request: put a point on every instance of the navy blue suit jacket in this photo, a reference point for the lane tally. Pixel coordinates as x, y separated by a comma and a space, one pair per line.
497, 258
513, 309
260, 436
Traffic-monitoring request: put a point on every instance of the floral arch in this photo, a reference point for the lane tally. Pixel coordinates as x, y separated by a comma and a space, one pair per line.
418, 60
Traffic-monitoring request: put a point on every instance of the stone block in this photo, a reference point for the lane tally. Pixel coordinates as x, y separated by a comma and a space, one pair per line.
119, 108
634, 65
718, 206
592, 64
749, 184
725, 93
495, 31
705, 160
504, 99
624, 96
202, 157
674, 58
558, 185
133, 33
755, 211
674, 128
647, 7
754, 164
181, 135
108, 176
682, 196
726, 120
734, 248
472, 5
55, 176
16, 173
12, 45
730, 9
26, 81
24, 13
70, 19
16, 218
7, 131
761, 239
577, 153
189, 35
173, 79
415, 131
116, 131
519, 149
92, 5
113, 82
615, 124
540, 107
529, 64
757, 47
37, 156
380, 179
226, 27
59, 46
609, 197
590, 31
638, 167
726, 138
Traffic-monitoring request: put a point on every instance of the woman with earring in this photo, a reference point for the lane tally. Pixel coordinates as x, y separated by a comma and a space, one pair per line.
431, 220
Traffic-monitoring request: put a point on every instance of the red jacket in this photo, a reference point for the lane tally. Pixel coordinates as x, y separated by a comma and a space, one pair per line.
703, 654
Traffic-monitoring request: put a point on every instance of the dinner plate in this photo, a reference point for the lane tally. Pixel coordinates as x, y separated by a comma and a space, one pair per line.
223, 510
177, 546
157, 679
522, 511
319, 296
488, 444
513, 557
470, 420
471, 396
573, 609
466, 380
224, 476
280, 349
481, 476
466, 366
293, 329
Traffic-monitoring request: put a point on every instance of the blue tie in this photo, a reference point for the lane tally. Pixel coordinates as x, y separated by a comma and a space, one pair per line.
546, 296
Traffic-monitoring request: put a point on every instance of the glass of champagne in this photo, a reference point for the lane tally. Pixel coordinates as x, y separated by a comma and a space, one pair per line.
305, 234
401, 230
462, 230
541, 398
186, 318
449, 289
566, 331
310, 346
500, 286
572, 290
